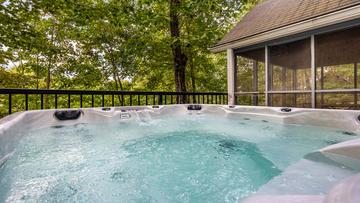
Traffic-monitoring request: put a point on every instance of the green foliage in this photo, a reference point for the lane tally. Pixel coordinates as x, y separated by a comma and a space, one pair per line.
113, 44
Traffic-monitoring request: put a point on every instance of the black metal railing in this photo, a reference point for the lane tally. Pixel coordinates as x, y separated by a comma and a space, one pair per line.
31, 99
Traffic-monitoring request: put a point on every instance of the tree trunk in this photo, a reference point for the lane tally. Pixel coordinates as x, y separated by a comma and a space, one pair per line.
48, 81
116, 76
48, 77
37, 71
192, 74
51, 56
179, 58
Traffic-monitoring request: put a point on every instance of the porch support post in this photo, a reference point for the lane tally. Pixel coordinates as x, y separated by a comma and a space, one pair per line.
266, 75
283, 85
294, 85
355, 85
322, 86
231, 63
313, 73
255, 82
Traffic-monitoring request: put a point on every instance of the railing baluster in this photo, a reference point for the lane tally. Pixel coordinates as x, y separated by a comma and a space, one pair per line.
56, 101
103, 100
10, 104
41, 101
160, 99
26, 102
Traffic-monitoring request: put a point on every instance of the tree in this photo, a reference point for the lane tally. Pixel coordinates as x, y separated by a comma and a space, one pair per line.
117, 44
179, 57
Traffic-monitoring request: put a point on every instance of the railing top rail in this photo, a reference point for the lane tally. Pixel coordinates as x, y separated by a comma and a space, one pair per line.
99, 92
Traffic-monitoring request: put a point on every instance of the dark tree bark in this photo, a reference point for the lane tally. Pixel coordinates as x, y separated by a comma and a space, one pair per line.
116, 76
179, 58
192, 69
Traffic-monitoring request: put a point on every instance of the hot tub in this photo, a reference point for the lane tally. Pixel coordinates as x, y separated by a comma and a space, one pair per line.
180, 153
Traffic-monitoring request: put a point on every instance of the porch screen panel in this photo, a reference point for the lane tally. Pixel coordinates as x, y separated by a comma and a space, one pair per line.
250, 77
300, 100
337, 60
290, 70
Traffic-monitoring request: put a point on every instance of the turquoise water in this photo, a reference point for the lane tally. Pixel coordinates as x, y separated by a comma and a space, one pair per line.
193, 158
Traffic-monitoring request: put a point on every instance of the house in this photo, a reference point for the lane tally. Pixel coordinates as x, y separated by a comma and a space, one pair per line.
295, 53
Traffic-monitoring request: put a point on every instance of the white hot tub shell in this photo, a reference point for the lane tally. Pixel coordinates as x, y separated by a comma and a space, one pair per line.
345, 154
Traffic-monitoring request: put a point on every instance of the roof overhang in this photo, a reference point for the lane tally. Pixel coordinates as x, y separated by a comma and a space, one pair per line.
337, 17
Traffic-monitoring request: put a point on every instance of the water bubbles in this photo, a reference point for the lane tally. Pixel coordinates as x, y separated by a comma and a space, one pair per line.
331, 178
183, 158
119, 176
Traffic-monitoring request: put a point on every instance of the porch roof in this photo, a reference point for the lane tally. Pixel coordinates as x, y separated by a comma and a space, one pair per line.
271, 15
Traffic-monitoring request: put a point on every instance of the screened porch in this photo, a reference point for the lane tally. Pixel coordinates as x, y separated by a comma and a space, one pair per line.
319, 71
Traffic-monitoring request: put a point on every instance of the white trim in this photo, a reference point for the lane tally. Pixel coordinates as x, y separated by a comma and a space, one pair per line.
341, 16
338, 91
313, 72
231, 76
266, 76
290, 92
303, 91
246, 93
